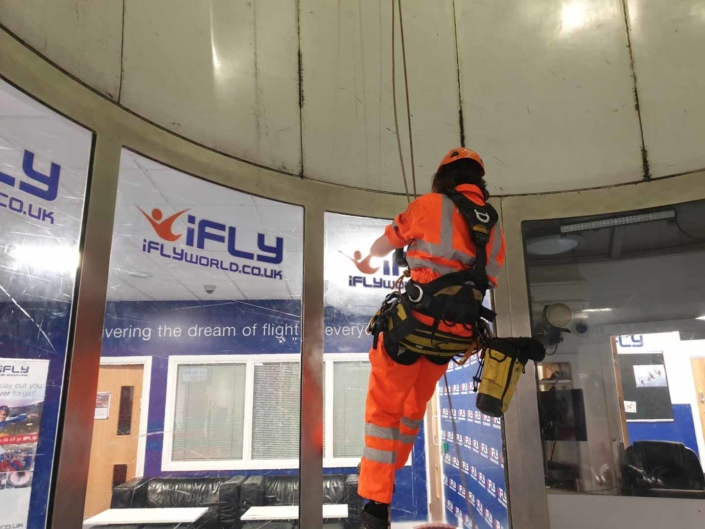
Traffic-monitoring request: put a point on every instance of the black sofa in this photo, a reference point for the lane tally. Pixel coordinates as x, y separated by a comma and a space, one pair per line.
662, 469
228, 499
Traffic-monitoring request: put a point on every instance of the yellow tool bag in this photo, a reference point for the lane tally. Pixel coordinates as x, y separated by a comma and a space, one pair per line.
503, 362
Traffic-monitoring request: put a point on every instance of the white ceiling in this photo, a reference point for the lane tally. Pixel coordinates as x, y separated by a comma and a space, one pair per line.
544, 87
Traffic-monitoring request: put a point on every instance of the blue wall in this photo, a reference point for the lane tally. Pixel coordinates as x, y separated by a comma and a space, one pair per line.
680, 430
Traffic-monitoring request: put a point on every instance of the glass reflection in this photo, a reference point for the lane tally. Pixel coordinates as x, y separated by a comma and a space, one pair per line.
203, 323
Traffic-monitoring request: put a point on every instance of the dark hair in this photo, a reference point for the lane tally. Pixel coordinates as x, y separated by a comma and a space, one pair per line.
6, 409
457, 173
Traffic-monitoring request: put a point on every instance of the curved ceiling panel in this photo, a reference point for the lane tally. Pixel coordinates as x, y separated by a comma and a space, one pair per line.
668, 39
84, 38
222, 73
543, 89
349, 134
548, 93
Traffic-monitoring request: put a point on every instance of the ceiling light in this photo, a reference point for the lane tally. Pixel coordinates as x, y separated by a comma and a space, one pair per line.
702, 318
140, 275
553, 244
62, 259
597, 310
573, 16
619, 221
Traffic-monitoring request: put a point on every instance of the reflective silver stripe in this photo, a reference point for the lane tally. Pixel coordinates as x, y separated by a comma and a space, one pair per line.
407, 439
410, 423
391, 434
415, 262
492, 267
379, 456
445, 247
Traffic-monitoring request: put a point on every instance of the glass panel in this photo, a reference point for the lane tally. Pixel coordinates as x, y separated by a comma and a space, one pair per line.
619, 301
355, 285
350, 381
203, 319
209, 421
44, 161
275, 423
125, 414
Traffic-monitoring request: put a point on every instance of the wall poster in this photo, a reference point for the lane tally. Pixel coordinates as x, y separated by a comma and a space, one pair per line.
22, 388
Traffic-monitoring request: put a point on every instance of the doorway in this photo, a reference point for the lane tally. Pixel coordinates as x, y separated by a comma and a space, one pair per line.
698, 365
119, 430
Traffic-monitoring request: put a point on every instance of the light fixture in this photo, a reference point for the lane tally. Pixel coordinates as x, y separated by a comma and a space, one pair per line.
553, 244
140, 275
62, 259
598, 310
701, 318
572, 16
619, 221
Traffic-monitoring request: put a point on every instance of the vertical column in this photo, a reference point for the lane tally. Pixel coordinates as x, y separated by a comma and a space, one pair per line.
311, 462
81, 377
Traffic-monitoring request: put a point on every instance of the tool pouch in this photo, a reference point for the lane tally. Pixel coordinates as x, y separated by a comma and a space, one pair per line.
504, 362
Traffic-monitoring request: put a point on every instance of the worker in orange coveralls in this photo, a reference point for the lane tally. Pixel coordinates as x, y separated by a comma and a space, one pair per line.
441, 242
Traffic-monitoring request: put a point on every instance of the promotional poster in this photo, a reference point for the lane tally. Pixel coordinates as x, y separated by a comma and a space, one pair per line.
22, 388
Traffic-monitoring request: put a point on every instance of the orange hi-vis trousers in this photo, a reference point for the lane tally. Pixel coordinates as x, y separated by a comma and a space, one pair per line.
396, 405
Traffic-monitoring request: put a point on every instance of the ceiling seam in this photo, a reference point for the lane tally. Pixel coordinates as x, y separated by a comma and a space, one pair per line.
646, 171
300, 72
122, 51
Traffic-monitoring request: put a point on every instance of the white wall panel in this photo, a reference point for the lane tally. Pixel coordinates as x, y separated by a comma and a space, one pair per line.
223, 73
348, 117
548, 94
668, 40
84, 37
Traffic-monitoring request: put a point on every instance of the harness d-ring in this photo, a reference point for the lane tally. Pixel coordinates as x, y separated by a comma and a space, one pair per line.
415, 300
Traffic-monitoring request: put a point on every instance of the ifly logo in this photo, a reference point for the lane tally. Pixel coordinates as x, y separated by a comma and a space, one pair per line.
444, 412
466, 468
501, 460
445, 480
473, 472
364, 266
467, 522
471, 497
502, 496
467, 442
491, 487
485, 451
478, 417
454, 413
476, 446
459, 438
447, 458
482, 480
486, 420
497, 423
494, 456
449, 505
461, 415
14, 370
449, 436
208, 235
441, 391
450, 367
39, 185
478, 505
456, 389
488, 516
461, 491
457, 512
456, 462
464, 388
498, 525
453, 485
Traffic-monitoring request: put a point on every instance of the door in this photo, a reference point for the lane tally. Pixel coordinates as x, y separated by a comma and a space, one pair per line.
698, 365
115, 434
434, 462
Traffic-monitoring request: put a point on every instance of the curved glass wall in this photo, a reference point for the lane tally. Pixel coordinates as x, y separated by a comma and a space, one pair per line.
44, 165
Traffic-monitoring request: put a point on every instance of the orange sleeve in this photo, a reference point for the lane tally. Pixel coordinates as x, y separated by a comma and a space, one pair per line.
496, 260
405, 227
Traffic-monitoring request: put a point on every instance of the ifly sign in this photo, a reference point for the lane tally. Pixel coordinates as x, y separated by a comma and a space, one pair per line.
209, 235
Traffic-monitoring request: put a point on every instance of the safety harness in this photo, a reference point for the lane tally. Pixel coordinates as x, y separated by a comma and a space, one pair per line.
454, 298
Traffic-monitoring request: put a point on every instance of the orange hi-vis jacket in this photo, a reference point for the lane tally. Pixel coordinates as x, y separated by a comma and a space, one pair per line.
440, 243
